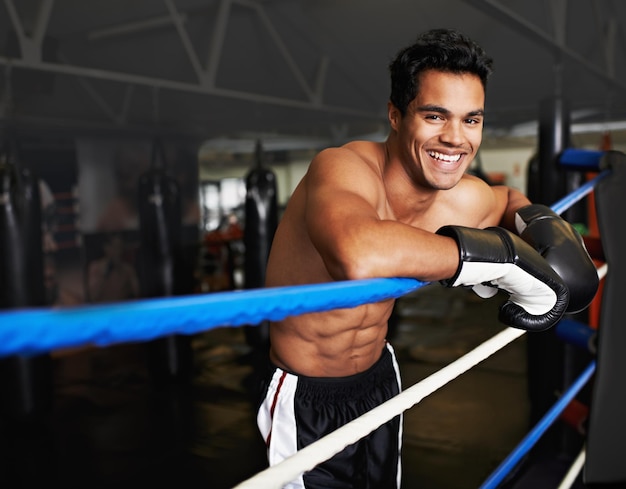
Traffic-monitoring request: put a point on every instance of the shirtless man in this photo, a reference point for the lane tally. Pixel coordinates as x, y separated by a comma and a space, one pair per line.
402, 208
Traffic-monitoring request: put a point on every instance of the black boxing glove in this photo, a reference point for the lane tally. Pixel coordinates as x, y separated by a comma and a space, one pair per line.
563, 248
494, 258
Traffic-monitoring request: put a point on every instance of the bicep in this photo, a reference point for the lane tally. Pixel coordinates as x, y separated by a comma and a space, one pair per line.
356, 236
499, 206
340, 205
510, 200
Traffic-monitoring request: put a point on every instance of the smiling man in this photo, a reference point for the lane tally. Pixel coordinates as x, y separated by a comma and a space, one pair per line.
402, 208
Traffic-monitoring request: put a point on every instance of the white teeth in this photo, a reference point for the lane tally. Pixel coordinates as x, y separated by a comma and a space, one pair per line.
443, 157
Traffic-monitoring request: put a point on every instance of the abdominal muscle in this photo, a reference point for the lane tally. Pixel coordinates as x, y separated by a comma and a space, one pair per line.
337, 343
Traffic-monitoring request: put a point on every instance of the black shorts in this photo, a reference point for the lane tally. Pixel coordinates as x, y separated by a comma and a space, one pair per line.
298, 410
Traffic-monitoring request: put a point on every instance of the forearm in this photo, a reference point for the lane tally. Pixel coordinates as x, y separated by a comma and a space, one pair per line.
387, 249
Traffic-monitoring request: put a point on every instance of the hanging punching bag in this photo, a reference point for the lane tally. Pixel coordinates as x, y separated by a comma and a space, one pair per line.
13, 286
161, 264
261, 220
160, 233
26, 381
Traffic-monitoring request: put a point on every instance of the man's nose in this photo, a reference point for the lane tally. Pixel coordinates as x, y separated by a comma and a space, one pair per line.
453, 133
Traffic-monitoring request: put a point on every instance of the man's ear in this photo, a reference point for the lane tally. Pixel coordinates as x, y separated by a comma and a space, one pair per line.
394, 116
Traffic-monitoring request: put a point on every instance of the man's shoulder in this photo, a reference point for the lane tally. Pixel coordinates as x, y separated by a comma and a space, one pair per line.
474, 187
365, 149
478, 197
354, 153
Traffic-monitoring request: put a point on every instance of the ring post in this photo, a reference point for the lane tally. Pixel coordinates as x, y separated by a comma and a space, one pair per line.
606, 443
545, 352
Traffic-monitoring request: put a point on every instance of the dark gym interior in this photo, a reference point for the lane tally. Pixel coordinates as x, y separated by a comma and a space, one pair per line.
216, 107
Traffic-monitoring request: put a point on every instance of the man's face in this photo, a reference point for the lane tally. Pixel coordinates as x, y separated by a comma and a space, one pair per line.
442, 129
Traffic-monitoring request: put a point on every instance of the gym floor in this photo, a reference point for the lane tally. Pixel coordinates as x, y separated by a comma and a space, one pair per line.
112, 425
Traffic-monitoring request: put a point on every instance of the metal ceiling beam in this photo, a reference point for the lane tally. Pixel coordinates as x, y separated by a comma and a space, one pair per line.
320, 79
30, 45
31, 59
508, 17
217, 42
559, 18
147, 81
102, 104
282, 48
185, 39
129, 28
609, 28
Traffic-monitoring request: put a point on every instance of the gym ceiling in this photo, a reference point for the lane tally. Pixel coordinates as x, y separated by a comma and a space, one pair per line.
296, 68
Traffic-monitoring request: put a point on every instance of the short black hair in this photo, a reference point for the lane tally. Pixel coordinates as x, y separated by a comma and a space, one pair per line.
438, 49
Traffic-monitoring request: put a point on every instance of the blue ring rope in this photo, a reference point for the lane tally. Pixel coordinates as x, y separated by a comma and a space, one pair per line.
31, 331
576, 195
540, 428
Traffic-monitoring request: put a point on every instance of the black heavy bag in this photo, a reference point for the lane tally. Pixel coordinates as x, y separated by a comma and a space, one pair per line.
160, 232
161, 266
26, 381
261, 220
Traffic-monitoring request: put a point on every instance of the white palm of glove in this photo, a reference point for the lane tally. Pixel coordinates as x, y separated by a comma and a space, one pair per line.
525, 290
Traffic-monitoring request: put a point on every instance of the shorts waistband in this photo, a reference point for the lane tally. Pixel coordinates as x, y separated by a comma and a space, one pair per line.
382, 369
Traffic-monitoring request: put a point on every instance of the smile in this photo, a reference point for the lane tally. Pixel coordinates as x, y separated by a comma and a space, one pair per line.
444, 157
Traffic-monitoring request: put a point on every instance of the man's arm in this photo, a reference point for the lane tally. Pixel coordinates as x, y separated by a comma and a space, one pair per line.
345, 199
345, 218
510, 200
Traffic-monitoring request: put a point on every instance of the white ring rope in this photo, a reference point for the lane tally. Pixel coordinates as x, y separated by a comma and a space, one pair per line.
323, 449
307, 458
574, 470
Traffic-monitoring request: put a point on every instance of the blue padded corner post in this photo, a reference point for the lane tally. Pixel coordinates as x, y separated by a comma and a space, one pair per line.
581, 159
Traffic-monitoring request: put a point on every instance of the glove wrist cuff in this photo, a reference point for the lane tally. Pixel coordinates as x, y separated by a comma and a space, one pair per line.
532, 212
452, 232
